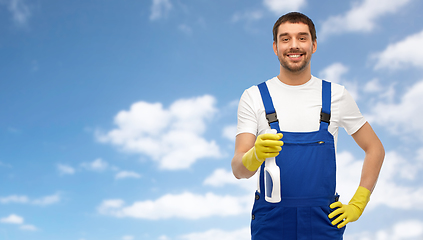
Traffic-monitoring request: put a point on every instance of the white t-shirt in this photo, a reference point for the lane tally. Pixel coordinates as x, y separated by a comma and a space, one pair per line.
298, 108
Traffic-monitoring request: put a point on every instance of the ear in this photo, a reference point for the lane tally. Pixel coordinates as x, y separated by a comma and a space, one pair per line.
275, 48
314, 46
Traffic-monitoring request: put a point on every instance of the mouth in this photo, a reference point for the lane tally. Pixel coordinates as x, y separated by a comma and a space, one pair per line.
294, 56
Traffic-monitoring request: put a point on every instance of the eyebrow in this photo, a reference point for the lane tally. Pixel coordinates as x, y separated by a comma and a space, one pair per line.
300, 33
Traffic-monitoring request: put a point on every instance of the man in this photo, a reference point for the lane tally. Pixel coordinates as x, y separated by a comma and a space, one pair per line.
296, 196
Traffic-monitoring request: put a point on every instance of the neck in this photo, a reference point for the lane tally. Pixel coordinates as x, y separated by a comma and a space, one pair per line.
294, 78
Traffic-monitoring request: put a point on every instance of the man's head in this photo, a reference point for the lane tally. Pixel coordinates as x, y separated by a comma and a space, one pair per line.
295, 17
294, 42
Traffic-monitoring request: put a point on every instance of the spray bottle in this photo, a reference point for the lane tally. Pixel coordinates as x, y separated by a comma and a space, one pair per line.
272, 177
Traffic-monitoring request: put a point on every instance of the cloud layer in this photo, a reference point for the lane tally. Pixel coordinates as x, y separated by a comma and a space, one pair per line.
185, 205
19, 10
43, 201
396, 187
393, 57
18, 220
173, 137
361, 17
409, 229
403, 117
283, 6
160, 9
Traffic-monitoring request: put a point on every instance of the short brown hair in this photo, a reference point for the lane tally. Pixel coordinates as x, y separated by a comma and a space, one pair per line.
294, 17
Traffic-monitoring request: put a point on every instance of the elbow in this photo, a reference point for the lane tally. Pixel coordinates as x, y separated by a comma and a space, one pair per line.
237, 176
378, 154
235, 172
377, 150
381, 152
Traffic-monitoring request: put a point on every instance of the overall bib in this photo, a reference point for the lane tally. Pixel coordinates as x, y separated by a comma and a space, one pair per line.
296, 188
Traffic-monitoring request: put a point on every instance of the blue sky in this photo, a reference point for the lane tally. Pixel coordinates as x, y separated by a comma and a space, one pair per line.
118, 117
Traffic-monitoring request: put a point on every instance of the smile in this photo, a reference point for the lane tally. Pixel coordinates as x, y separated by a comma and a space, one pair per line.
297, 55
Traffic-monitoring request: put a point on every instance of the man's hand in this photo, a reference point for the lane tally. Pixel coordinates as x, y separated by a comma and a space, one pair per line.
266, 146
352, 211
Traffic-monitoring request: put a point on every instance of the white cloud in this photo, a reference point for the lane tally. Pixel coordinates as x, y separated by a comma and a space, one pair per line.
390, 190
127, 237
361, 17
335, 73
13, 219
404, 117
18, 220
408, 229
283, 6
420, 154
394, 195
380, 90
213, 234
248, 16
19, 10
373, 86
393, 56
278, 7
173, 136
160, 9
127, 174
348, 175
96, 165
221, 177
229, 132
14, 199
65, 169
28, 227
108, 205
186, 205
47, 200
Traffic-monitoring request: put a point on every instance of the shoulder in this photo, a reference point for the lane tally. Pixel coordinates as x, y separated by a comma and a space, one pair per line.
337, 90
335, 87
253, 92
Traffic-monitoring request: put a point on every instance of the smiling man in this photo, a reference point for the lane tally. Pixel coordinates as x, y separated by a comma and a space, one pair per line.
287, 132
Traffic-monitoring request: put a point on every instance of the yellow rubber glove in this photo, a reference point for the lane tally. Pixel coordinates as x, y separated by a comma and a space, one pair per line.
267, 145
352, 211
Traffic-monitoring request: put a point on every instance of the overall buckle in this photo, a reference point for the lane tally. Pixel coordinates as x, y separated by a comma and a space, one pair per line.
272, 117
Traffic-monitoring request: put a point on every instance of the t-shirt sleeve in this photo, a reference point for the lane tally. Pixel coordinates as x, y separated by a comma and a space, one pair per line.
351, 118
247, 120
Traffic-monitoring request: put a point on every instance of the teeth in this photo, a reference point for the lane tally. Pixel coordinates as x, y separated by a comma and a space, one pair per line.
295, 56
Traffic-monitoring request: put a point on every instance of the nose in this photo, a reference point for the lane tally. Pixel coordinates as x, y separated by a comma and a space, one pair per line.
294, 44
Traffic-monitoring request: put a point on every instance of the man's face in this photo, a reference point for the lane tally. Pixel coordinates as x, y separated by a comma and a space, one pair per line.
294, 46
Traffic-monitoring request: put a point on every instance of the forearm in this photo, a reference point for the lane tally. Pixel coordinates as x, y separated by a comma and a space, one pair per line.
371, 167
367, 139
238, 169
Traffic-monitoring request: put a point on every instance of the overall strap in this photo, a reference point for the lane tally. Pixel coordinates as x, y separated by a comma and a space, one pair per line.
268, 106
326, 102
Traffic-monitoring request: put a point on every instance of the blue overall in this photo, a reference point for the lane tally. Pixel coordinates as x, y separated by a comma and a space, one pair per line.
307, 182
